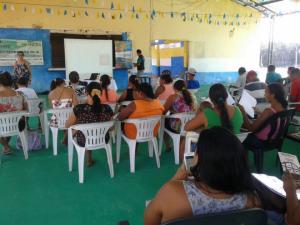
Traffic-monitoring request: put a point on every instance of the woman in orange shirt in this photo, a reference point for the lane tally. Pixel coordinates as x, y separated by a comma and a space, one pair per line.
144, 105
108, 95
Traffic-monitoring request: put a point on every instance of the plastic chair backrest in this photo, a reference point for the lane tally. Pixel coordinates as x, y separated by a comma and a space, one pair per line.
144, 126
34, 105
94, 133
239, 217
61, 115
184, 118
9, 123
285, 117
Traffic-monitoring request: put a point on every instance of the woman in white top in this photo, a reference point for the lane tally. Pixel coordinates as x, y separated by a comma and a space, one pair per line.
23, 88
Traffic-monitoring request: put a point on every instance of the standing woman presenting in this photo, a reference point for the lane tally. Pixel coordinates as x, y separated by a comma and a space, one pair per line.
21, 68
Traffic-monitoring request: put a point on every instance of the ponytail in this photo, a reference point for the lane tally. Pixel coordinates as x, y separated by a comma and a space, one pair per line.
94, 90
96, 107
219, 95
105, 82
225, 120
181, 86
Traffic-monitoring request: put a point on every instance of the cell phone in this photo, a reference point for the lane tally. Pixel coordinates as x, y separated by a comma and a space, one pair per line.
189, 160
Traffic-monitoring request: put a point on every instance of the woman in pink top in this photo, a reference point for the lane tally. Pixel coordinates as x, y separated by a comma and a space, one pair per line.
108, 95
275, 95
165, 88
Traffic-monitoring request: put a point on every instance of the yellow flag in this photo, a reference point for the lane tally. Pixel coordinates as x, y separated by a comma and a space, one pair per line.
79, 13
40, 10
98, 15
118, 6
58, 12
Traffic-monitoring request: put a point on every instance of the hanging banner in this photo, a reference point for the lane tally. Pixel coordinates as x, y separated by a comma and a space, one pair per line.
123, 52
33, 51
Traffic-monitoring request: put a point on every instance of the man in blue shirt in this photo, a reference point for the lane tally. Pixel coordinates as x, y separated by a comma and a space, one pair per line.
272, 76
192, 83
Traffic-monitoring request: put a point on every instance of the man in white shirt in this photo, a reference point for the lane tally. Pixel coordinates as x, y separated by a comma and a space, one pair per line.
23, 89
241, 81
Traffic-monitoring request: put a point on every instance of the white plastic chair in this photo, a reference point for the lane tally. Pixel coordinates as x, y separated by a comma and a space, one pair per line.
145, 133
94, 134
62, 116
192, 137
184, 118
34, 110
9, 126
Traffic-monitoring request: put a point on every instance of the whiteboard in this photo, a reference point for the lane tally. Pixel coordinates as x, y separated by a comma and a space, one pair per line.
88, 56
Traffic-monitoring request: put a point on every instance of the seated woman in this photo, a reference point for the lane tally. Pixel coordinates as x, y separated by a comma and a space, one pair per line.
275, 95
132, 85
10, 101
76, 84
108, 95
222, 182
220, 114
91, 112
144, 105
60, 96
180, 102
165, 88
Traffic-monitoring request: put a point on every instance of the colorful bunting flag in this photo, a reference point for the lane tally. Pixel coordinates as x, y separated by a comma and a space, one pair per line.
86, 13
4, 7
65, 12
86, 2
112, 5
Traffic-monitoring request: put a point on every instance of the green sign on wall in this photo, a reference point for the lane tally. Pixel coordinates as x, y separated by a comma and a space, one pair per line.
33, 51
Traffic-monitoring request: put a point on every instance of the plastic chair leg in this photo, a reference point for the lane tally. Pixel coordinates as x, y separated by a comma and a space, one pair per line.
119, 134
132, 145
23, 138
113, 136
54, 139
81, 153
176, 143
155, 145
46, 130
70, 150
161, 135
150, 149
109, 160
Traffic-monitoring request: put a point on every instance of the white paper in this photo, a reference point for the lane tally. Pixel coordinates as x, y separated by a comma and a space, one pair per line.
289, 162
273, 183
248, 102
229, 100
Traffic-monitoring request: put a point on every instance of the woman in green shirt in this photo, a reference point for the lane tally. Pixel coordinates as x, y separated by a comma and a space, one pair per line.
220, 114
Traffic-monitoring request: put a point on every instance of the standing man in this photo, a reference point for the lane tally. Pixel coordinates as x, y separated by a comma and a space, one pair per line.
140, 63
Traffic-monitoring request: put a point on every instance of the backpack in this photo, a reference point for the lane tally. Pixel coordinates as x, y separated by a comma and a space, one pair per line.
34, 141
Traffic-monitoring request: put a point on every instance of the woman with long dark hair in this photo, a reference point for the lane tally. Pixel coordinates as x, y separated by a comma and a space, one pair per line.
132, 85
91, 112
219, 114
61, 96
275, 95
108, 95
181, 101
222, 182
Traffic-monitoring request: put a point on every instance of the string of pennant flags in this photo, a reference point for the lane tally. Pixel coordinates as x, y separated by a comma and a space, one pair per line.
115, 11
